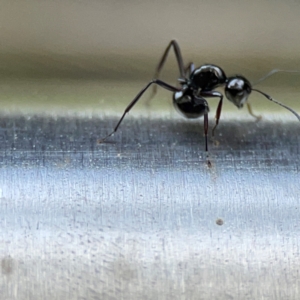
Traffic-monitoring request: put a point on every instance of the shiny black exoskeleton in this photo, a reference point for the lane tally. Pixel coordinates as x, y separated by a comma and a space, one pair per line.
201, 84
190, 101
198, 84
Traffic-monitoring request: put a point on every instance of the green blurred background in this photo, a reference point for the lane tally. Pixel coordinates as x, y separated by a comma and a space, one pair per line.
89, 57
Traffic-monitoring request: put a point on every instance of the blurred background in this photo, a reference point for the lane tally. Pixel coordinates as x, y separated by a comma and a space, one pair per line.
49, 49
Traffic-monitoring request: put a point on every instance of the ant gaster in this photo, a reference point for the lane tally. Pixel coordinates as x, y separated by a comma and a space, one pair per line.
200, 83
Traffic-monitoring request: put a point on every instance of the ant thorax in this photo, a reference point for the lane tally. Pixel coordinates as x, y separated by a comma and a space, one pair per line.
207, 77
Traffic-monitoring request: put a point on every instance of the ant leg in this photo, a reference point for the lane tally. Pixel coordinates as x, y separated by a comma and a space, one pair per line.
135, 100
213, 94
258, 118
274, 72
162, 61
205, 133
189, 69
206, 130
178, 58
203, 103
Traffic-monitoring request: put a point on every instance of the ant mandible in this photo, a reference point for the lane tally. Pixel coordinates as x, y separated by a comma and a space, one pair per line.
198, 84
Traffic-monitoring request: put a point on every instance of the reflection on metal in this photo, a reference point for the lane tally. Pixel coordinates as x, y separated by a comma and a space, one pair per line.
142, 217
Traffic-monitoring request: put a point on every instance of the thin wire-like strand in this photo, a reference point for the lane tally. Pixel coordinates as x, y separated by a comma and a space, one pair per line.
274, 72
275, 101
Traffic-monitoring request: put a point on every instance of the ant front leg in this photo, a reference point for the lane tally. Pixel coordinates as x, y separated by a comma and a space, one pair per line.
200, 102
213, 94
162, 61
205, 134
136, 99
258, 118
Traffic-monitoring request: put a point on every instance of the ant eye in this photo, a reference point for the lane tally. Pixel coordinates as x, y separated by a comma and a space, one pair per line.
237, 90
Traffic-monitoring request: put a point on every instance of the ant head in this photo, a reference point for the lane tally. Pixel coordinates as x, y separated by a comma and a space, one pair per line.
237, 90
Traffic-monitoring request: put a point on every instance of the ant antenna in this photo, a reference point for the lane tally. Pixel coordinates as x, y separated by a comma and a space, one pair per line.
274, 72
275, 101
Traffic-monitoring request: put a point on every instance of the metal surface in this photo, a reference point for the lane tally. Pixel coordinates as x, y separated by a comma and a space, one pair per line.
142, 217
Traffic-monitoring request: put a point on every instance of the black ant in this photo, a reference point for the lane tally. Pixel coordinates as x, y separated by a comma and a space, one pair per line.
198, 84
